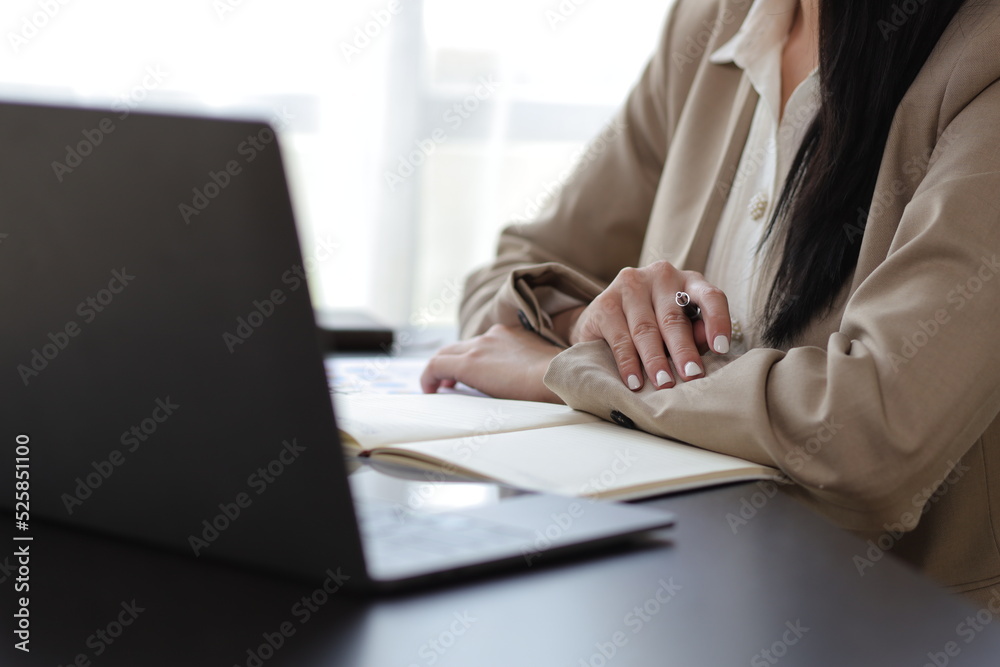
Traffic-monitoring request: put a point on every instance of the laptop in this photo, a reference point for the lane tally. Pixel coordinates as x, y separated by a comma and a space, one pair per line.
163, 379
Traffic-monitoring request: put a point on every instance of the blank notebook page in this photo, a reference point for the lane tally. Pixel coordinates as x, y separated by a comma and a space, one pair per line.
589, 460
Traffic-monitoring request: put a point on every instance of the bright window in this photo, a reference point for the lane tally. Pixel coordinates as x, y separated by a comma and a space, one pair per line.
399, 192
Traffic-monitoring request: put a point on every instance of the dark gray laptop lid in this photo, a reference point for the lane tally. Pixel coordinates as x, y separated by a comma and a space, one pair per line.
158, 346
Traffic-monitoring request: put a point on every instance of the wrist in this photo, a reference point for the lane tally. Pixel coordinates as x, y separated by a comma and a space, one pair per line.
546, 395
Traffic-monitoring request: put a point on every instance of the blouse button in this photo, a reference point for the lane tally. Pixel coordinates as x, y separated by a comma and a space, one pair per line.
758, 206
737, 332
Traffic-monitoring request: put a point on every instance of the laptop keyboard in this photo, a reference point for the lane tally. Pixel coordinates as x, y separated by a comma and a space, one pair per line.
390, 529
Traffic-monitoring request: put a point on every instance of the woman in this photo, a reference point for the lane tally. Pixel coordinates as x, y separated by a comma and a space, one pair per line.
831, 169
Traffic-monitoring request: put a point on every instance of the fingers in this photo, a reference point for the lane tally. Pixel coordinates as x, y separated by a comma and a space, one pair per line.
505, 362
644, 330
442, 370
615, 330
686, 341
660, 328
640, 319
677, 333
700, 337
714, 312
435, 376
624, 317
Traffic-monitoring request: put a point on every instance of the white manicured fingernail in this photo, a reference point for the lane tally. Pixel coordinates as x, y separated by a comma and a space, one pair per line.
692, 369
663, 378
721, 344
633, 382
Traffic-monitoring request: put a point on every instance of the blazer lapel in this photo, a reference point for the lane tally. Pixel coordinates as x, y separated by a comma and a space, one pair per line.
687, 209
692, 250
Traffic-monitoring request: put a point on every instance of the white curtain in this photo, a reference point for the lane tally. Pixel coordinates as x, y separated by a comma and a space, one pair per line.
413, 129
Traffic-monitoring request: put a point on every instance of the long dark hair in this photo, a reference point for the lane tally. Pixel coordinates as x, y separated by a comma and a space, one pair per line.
870, 51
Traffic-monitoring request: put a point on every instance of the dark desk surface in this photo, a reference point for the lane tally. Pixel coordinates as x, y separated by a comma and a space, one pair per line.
733, 597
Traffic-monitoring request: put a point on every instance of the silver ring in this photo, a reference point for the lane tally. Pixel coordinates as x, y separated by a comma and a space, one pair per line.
683, 299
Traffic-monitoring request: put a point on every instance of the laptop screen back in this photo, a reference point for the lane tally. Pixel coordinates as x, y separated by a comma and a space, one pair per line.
158, 348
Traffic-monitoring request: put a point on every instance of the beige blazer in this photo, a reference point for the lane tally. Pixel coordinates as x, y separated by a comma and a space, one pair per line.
884, 413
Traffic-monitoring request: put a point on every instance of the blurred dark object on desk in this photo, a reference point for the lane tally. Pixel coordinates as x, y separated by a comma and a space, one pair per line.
352, 331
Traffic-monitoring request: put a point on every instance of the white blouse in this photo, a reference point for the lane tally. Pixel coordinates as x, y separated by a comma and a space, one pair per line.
734, 263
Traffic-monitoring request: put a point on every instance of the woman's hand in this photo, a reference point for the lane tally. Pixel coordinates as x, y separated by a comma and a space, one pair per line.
504, 362
639, 317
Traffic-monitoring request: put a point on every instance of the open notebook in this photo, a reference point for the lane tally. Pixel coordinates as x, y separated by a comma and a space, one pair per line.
535, 446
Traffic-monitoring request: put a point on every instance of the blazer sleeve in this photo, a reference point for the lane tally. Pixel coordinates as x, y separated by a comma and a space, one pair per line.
903, 388
593, 229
